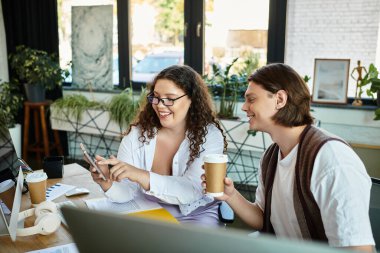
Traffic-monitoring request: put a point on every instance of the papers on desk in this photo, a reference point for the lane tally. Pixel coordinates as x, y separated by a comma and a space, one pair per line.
67, 248
138, 204
57, 190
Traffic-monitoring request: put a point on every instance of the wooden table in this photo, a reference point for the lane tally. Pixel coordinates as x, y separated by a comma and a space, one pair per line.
74, 174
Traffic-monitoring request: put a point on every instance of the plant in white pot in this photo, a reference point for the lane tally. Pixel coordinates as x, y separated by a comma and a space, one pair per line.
228, 84
77, 113
372, 78
10, 105
227, 87
37, 70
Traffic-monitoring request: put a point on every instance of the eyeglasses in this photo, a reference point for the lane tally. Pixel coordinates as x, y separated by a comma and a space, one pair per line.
165, 101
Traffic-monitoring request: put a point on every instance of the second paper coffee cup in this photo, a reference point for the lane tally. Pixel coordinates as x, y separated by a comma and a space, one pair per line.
215, 166
37, 187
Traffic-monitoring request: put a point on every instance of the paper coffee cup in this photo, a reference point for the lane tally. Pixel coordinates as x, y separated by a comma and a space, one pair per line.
7, 192
37, 187
215, 166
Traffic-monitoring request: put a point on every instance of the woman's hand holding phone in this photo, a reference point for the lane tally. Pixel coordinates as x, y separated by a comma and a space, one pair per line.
97, 177
104, 175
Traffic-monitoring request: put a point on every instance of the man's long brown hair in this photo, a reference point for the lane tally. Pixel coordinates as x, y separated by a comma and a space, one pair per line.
279, 76
201, 112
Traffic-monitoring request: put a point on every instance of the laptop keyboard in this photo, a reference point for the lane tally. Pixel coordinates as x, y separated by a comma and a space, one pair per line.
61, 204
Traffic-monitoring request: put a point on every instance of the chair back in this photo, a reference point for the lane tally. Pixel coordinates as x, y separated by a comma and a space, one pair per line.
374, 211
225, 212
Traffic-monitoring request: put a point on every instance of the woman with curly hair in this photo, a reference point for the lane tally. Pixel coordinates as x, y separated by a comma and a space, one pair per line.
161, 154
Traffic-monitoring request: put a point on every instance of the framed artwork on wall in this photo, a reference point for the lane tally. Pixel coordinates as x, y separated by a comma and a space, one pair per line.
330, 81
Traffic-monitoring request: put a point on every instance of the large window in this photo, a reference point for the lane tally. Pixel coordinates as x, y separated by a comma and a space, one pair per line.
243, 35
154, 34
156, 37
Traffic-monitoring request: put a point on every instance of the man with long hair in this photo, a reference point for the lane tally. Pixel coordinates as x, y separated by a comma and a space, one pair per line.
312, 185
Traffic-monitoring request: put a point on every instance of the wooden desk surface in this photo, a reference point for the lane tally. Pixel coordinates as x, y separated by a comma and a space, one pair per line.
74, 174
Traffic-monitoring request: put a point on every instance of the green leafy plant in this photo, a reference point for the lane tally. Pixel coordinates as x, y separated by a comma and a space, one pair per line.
37, 67
306, 79
10, 102
228, 87
123, 107
372, 78
74, 105
249, 64
169, 20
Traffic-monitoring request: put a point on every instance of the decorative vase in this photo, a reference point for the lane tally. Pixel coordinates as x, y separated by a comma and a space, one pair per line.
357, 102
35, 92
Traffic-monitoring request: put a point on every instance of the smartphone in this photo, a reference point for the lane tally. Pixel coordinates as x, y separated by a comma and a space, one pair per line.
91, 161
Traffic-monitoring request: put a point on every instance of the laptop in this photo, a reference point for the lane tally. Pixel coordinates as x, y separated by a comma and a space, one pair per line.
9, 222
95, 231
10, 165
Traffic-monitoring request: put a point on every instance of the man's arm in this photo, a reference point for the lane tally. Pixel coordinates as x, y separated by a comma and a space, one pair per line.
249, 212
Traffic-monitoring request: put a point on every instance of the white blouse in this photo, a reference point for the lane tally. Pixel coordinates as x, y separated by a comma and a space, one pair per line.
183, 188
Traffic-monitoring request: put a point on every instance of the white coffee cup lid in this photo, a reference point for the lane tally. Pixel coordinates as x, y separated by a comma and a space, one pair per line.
7, 184
215, 158
35, 177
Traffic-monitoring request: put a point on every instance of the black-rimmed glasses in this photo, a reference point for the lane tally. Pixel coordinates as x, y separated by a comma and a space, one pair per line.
165, 101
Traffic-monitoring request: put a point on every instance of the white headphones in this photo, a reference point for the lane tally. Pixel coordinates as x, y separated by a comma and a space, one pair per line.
47, 219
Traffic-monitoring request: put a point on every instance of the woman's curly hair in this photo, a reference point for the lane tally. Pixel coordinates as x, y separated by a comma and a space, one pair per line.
201, 112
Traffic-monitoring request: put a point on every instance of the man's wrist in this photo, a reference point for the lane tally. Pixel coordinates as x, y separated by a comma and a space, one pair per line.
232, 197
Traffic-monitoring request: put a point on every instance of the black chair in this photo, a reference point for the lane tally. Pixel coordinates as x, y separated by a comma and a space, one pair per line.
374, 211
225, 212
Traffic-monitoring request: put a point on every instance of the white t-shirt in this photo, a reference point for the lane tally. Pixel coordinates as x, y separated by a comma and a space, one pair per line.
341, 187
183, 188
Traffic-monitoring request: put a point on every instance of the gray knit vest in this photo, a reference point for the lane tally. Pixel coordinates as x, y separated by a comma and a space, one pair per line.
306, 208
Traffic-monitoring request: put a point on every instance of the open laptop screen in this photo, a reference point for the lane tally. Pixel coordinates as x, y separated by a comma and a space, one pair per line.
106, 232
9, 220
8, 157
9, 161
10, 166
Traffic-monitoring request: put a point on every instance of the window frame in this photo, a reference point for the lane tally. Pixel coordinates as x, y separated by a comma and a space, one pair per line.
194, 33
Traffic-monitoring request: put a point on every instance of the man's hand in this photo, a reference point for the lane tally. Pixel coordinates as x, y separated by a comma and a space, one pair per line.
229, 189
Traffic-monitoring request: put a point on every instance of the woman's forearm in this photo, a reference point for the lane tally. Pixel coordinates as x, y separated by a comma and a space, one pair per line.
142, 177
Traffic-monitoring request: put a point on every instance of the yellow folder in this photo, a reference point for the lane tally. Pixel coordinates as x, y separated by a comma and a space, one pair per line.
156, 214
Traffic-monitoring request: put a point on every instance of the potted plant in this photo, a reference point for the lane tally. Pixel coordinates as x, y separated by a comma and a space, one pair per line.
372, 78
37, 70
123, 107
306, 79
73, 106
227, 87
10, 104
77, 113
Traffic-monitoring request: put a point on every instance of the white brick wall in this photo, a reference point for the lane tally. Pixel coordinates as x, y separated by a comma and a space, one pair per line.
337, 29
